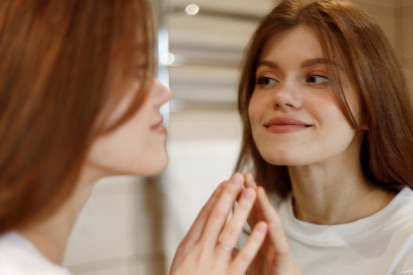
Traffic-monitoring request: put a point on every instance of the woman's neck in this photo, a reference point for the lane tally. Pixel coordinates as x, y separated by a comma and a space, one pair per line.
51, 235
335, 195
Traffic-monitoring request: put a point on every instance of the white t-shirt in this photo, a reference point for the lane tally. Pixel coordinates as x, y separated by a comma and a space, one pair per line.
379, 244
18, 256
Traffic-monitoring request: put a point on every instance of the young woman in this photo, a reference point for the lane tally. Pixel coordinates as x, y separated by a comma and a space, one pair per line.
78, 102
328, 127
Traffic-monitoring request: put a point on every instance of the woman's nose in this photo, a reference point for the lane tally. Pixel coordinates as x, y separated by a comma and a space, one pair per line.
160, 92
288, 96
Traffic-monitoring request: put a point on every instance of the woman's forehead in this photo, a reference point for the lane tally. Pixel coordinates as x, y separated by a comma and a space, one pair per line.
304, 43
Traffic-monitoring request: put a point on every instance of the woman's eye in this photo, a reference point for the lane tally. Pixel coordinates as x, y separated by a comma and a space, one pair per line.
265, 81
317, 79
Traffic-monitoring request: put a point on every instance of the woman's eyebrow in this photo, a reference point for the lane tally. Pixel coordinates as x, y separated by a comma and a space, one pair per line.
306, 63
321, 61
267, 63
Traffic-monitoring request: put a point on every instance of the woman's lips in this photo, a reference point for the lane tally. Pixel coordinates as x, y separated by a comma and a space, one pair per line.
159, 128
285, 125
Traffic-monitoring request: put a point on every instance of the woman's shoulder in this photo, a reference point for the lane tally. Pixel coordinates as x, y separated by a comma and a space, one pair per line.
19, 256
402, 206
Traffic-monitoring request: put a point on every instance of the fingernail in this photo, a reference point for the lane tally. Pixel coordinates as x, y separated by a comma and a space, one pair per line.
261, 227
248, 194
248, 177
237, 179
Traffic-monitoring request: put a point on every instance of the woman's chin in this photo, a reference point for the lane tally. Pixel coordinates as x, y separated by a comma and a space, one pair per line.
154, 168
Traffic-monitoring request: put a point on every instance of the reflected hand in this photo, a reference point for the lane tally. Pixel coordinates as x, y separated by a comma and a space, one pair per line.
274, 257
208, 248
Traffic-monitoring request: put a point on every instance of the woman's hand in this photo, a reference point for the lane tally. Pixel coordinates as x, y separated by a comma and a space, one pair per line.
208, 248
274, 257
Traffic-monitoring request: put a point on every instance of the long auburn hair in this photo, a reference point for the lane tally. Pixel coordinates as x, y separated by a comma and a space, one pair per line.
64, 66
344, 30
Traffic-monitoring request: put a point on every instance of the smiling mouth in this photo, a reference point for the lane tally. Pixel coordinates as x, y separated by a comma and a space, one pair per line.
285, 128
285, 125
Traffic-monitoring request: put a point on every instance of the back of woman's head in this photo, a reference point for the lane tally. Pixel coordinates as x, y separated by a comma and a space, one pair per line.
63, 67
347, 33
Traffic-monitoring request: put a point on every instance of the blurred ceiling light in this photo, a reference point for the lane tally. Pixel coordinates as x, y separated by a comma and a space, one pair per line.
167, 59
192, 9
170, 59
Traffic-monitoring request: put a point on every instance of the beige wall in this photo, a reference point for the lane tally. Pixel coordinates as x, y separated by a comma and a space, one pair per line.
383, 11
396, 19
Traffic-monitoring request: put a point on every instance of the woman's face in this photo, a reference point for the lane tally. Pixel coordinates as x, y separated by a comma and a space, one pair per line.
295, 118
136, 147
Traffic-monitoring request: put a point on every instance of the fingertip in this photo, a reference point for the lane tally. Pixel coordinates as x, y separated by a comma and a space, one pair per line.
222, 185
220, 188
249, 193
250, 179
261, 227
237, 178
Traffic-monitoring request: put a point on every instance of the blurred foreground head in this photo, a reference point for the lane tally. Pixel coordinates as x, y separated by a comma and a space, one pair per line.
63, 67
